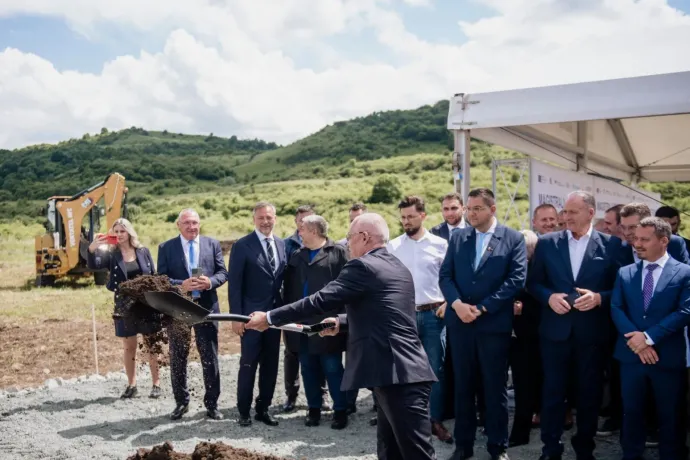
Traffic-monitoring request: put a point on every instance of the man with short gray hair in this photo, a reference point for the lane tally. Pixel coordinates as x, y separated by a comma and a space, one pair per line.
384, 351
571, 276
255, 278
315, 264
196, 263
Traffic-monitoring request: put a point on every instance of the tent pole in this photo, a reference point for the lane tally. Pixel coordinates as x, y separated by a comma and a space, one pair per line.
461, 162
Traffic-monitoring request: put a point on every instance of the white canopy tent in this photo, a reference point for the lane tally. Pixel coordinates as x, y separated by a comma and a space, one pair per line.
631, 129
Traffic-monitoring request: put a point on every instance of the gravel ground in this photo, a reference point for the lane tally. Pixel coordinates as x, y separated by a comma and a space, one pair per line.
84, 419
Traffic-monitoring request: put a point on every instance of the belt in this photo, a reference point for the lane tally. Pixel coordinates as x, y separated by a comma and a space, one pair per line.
428, 306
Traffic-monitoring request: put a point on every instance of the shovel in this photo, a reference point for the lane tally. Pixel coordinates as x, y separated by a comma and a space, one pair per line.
190, 313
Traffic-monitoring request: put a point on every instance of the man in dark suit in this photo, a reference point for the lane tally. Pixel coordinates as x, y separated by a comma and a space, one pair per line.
452, 211
179, 258
484, 269
571, 276
672, 216
383, 349
650, 306
290, 358
630, 216
255, 279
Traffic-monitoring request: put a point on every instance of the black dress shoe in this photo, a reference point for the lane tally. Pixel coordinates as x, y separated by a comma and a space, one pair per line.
374, 421
179, 411
313, 417
339, 420
214, 414
244, 420
289, 405
266, 418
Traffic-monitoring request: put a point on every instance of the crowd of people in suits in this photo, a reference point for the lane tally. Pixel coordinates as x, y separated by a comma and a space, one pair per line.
432, 320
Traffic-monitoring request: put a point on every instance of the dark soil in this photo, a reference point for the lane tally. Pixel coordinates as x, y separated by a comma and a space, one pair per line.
202, 451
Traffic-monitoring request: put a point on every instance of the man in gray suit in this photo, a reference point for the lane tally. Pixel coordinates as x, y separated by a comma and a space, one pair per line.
384, 350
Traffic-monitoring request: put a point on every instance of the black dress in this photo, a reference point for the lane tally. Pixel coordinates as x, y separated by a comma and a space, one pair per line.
139, 319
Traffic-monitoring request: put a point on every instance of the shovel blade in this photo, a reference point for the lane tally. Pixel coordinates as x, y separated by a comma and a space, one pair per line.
176, 306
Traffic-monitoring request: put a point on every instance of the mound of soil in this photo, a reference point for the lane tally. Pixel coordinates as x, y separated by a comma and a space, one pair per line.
150, 283
202, 451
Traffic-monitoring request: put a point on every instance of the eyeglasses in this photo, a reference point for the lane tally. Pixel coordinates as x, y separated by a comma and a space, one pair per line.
349, 236
477, 209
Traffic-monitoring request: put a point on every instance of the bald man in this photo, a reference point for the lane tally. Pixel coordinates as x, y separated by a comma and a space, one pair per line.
384, 351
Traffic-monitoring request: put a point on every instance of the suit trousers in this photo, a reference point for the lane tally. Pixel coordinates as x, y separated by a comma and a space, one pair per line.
481, 357
258, 350
206, 335
404, 426
588, 361
668, 386
525, 361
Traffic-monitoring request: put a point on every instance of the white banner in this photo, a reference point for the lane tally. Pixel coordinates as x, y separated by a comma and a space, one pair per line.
551, 184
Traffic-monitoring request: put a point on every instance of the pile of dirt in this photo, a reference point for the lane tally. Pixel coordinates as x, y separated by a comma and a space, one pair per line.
202, 451
150, 283
135, 288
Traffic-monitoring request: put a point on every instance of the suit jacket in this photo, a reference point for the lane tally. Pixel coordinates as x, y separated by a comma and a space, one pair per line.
687, 244
676, 249
252, 284
383, 346
551, 273
172, 262
324, 268
292, 244
118, 273
500, 276
442, 230
526, 325
666, 317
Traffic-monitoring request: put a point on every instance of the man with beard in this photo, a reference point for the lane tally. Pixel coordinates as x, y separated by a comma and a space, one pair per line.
422, 253
452, 210
484, 270
672, 216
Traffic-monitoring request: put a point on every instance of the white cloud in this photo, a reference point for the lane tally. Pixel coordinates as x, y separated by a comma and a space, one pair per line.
226, 68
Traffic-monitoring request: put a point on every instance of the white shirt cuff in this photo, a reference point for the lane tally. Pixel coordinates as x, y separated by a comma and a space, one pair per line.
648, 340
268, 318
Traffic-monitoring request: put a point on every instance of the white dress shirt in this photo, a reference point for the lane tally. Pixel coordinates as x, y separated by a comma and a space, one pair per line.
185, 248
451, 228
423, 258
577, 249
262, 239
656, 275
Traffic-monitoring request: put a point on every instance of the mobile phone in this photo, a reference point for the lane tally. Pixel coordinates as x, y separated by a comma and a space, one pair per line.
572, 297
111, 239
197, 272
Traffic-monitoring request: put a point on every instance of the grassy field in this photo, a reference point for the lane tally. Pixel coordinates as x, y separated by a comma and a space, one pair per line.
47, 332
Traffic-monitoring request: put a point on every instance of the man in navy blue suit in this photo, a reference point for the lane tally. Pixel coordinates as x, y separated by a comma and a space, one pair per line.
650, 306
630, 217
572, 274
255, 279
179, 258
484, 269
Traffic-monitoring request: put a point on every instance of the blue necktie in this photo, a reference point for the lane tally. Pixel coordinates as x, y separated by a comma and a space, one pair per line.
192, 265
479, 254
648, 288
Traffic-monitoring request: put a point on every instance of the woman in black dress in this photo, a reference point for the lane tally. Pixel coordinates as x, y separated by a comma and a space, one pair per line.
126, 260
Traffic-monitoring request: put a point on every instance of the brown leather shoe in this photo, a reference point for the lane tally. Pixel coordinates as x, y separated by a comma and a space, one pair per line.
440, 431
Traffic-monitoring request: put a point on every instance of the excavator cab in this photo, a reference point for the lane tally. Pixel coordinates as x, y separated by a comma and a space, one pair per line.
71, 225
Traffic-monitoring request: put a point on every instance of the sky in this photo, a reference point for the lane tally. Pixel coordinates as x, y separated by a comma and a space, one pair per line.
281, 70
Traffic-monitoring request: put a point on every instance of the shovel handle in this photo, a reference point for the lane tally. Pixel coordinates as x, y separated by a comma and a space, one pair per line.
292, 327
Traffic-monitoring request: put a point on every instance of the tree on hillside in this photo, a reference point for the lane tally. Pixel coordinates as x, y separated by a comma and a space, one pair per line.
386, 190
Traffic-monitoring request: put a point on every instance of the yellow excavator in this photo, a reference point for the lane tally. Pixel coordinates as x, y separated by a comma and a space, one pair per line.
71, 224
